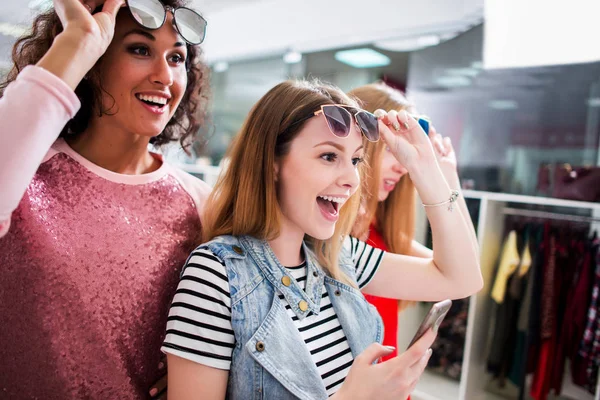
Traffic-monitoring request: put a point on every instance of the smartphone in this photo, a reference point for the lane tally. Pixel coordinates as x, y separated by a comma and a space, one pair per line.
433, 319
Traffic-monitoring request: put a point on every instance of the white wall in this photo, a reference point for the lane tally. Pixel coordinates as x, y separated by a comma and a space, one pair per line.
270, 27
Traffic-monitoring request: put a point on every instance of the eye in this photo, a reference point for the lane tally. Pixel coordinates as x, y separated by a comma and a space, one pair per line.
357, 160
177, 59
329, 157
139, 50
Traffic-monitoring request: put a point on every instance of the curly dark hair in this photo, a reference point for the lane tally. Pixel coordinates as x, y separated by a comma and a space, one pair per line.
183, 126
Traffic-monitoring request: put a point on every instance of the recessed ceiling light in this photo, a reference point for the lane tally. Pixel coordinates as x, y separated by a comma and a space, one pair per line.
503, 104
292, 57
221, 66
362, 58
453, 81
593, 102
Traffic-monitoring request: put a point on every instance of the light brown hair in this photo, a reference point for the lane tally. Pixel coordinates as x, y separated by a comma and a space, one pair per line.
244, 199
394, 217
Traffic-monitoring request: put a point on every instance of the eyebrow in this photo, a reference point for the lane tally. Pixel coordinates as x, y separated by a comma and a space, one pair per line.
337, 146
138, 31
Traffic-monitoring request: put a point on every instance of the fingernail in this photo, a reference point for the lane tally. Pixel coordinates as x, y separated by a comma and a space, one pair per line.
406, 126
390, 348
379, 113
153, 391
396, 126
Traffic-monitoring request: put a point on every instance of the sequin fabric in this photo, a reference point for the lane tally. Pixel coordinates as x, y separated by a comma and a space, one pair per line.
89, 268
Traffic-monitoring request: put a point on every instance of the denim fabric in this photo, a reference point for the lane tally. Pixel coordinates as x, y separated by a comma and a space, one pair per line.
270, 359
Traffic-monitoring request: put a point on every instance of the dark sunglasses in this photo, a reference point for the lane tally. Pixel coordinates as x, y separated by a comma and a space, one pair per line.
339, 120
152, 14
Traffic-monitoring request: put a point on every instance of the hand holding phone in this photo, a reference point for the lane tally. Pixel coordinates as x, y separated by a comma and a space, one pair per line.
433, 319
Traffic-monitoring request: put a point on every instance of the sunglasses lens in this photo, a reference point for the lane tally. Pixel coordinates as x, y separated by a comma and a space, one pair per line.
148, 13
191, 25
338, 119
368, 125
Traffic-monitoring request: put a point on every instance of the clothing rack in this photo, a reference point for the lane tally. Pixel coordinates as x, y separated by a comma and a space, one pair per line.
548, 215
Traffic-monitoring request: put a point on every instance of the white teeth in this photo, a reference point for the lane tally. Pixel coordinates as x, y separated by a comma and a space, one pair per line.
339, 200
153, 99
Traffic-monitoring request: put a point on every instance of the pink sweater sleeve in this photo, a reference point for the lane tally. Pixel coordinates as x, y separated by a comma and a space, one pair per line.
34, 109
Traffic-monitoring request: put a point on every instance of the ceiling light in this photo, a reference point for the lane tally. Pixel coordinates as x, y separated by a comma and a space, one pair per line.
362, 58
453, 81
593, 102
40, 5
503, 104
221, 66
15, 31
471, 72
292, 57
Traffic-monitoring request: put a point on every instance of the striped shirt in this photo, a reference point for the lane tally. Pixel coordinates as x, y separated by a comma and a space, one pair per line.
199, 325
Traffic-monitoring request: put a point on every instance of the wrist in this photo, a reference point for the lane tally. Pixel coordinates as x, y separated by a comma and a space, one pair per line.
71, 57
431, 185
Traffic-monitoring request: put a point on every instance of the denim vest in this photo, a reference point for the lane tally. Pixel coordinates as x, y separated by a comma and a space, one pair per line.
270, 359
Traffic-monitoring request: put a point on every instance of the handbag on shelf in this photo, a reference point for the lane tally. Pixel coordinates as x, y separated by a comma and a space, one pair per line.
576, 183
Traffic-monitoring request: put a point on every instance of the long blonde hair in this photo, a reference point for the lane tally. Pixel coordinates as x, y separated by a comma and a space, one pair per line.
244, 199
394, 217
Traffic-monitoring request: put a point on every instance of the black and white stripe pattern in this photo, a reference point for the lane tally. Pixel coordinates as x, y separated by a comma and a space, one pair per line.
199, 325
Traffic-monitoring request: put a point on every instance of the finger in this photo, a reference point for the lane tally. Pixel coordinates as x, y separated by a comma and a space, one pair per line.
159, 386
432, 132
448, 145
418, 349
393, 120
372, 353
112, 7
439, 145
417, 369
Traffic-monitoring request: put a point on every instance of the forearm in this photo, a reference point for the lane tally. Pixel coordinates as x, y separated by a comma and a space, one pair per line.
453, 252
33, 111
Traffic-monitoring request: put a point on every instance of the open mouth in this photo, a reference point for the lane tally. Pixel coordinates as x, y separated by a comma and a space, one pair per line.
156, 103
389, 184
330, 206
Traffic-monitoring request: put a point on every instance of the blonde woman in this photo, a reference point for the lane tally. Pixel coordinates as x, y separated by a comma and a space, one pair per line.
388, 218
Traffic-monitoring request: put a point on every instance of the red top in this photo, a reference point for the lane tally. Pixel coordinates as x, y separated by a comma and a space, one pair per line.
388, 308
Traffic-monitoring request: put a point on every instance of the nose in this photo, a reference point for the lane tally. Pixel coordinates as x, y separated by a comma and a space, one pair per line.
162, 73
349, 178
398, 168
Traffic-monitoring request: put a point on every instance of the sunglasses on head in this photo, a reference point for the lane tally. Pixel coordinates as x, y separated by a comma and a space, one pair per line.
339, 121
152, 14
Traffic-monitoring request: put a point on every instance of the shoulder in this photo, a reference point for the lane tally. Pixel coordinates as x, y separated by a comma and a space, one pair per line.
196, 188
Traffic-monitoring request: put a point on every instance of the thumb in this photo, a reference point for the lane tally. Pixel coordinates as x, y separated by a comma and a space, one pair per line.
374, 352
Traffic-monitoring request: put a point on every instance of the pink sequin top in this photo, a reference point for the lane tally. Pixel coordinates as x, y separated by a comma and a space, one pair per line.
89, 264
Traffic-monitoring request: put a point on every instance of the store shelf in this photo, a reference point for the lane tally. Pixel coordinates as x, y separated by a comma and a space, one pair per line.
517, 198
434, 386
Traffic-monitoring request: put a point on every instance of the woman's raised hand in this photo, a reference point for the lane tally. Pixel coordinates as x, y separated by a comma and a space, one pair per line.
84, 39
406, 140
77, 19
393, 379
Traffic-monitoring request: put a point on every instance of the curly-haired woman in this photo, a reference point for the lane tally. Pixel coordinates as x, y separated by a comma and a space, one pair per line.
95, 227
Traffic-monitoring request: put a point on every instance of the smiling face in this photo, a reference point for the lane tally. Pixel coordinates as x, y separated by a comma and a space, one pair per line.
390, 173
143, 76
316, 177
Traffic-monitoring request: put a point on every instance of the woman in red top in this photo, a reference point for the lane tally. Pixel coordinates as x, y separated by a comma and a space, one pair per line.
388, 221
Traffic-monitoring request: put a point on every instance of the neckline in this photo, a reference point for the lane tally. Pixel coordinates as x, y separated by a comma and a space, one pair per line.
63, 147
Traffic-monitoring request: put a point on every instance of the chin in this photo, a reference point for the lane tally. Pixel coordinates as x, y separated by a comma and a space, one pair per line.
322, 234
